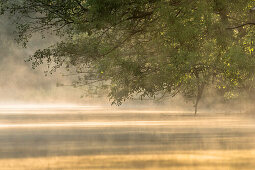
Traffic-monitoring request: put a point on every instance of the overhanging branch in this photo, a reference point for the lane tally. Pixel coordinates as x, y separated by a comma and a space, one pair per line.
242, 25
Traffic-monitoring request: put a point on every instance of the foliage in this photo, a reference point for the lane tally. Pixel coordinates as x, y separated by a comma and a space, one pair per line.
148, 47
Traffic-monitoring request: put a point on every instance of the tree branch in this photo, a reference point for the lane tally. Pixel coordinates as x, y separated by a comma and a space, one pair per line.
242, 25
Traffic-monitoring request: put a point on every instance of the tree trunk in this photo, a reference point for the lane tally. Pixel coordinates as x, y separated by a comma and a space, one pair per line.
200, 89
196, 104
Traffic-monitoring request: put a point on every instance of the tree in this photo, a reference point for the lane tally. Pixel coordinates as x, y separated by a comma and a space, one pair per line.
148, 48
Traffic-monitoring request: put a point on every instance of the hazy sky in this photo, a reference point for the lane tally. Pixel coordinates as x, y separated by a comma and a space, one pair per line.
19, 83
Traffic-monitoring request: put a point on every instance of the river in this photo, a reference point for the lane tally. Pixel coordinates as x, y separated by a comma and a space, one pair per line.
100, 138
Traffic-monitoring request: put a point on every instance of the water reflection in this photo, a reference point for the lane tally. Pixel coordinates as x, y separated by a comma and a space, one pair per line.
141, 139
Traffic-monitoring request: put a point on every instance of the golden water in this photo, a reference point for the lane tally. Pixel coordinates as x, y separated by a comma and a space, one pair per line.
99, 138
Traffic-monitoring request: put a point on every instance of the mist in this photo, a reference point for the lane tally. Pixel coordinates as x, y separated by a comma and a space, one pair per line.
46, 126
19, 82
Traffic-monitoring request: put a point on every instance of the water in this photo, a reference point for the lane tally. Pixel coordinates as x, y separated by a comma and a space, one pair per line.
97, 138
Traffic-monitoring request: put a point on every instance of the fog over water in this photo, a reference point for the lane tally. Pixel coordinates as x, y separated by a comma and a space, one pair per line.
100, 138
43, 126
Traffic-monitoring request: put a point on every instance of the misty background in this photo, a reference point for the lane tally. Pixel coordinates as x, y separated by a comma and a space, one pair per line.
19, 83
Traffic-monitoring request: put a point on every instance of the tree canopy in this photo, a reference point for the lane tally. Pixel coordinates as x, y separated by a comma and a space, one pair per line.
148, 47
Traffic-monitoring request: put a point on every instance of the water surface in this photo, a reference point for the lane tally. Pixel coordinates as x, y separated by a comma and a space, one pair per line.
97, 138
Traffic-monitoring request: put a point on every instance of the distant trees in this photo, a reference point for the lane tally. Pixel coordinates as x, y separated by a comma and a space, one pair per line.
148, 47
